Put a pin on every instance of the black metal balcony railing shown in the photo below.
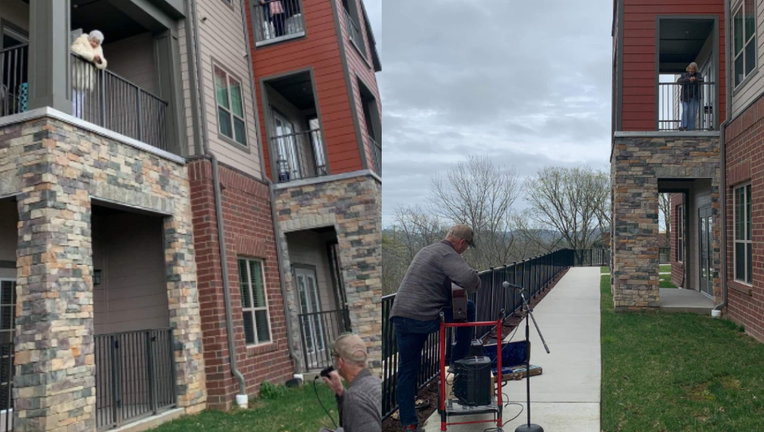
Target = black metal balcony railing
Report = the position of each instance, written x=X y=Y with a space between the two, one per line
x=534 y=274
x=318 y=331
x=106 y=99
x=6 y=387
x=299 y=155
x=135 y=376
x=376 y=155
x=687 y=106
x=354 y=32
x=274 y=19
x=14 y=88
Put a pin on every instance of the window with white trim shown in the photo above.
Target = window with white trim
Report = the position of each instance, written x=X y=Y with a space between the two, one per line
x=230 y=102
x=743 y=253
x=680 y=234
x=744 y=40
x=254 y=302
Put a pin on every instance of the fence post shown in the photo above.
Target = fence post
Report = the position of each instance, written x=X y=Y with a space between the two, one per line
x=140 y=113
x=102 y=74
x=150 y=339
x=116 y=401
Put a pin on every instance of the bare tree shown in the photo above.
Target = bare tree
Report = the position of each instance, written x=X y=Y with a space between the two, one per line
x=481 y=194
x=664 y=206
x=572 y=201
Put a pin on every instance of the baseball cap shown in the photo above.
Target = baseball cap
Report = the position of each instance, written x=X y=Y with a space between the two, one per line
x=463 y=232
x=350 y=347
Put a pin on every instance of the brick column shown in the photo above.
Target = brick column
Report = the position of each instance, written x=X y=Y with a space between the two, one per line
x=185 y=320
x=54 y=384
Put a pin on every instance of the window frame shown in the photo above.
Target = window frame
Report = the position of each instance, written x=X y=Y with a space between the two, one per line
x=747 y=278
x=229 y=77
x=680 y=234
x=252 y=309
x=752 y=40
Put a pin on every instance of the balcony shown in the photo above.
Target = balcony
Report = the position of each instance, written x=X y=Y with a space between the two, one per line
x=376 y=155
x=299 y=155
x=354 y=33
x=277 y=20
x=686 y=107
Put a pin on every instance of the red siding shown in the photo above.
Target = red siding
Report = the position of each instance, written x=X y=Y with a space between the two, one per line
x=249 y=233
x=319 y=50
x=744 y=164
x=639 y=56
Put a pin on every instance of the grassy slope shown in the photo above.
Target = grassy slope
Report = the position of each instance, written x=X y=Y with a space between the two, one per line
x=296 y=411
x=678 y=372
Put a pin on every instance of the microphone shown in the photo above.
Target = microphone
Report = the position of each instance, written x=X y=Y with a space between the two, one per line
x=506 y=284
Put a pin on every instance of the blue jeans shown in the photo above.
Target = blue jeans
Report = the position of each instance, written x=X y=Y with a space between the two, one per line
x=411 y=335
x=689 y=113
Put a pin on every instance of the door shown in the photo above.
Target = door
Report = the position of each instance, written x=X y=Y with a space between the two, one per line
x=310 y=309
x=705 y=223
x=286 y=140
x=708 y=95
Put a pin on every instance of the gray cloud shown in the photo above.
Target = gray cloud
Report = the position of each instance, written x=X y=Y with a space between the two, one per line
x=526 y=83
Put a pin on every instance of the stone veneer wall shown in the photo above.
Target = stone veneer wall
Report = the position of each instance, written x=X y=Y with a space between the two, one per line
x=249 y=233
x=57 y=168
x=353 y=207
x=638 y=161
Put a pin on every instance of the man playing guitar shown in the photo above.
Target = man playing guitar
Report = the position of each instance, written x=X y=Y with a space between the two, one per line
x=425 y=291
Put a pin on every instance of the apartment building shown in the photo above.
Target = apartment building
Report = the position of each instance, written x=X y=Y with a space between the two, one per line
x=712 y=170
x=141 y=271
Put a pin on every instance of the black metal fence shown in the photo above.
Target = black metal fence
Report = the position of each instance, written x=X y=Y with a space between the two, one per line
x=273 y=19
x=319 y=330
x=135 y=376
x=104 y=98
x=686 y=106
x=6 y=387
x=534 y=274
x=299 y=155
x=14 y=87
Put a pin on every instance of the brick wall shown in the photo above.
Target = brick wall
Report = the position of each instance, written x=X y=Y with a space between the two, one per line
x=677 y=268
x=744 y=164
x=249 y=233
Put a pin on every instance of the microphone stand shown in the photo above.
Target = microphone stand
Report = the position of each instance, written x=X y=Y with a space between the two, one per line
x=529 y=427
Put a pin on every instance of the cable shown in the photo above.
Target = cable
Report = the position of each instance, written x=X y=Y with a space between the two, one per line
x=500 y=429
x=322 y=404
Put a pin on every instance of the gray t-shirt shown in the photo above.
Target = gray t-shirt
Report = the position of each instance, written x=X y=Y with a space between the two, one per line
x=426 y=287
x=360 y=406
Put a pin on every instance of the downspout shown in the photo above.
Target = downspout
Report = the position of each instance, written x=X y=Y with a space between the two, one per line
x=276 y=231
x=241 y=398
x=717 y=311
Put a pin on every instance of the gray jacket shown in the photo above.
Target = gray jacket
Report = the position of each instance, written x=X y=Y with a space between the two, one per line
x=360 y=406
x=426 y=287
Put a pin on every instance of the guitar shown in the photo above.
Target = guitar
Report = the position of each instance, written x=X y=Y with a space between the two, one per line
x=459 y=303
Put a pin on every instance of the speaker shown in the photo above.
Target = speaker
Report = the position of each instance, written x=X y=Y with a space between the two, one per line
x=472 y=381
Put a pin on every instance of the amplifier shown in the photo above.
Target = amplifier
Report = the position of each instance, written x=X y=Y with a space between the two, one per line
x=472 y=381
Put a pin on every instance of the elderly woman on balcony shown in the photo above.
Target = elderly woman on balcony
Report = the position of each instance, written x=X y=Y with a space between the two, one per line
x=691 y=92
x=88 y=48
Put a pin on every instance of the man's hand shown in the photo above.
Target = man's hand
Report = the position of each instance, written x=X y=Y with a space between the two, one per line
x=97 y=59
x=692 y=78
x=335 y=383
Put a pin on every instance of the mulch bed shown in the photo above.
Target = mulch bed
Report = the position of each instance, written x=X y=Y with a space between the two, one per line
x=430 y=391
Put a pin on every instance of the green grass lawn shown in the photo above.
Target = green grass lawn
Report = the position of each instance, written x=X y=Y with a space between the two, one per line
x=665 y=281
x=603 y=270
x=297 y=410
x=678 y=372
x=665 y=268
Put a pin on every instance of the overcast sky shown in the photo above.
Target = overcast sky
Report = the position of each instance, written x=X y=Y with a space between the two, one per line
x=526 y=83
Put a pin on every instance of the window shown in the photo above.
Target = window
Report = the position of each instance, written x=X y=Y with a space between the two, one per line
x=743 y=244
x=744 y=40
x=228 y=93
x=680 y=234
x=254 y=302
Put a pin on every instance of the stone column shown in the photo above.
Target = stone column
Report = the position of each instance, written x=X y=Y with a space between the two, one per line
x=49 y=58
x=54 y=384
x=184 y=309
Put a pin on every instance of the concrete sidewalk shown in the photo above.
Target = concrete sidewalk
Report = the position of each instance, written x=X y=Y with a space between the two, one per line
x=566 y=397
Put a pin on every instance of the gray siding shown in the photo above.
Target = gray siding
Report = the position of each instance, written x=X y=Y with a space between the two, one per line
x=16 y=12
x=133 y=292
x=133 y=59
x=223 y=39
x=750 y=90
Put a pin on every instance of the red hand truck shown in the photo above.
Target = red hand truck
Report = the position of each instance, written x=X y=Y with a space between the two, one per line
x=446 y=407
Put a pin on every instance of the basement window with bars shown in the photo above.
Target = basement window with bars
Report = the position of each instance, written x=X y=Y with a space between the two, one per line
x=744 y=40
x=254 y=303
x=743 y=230
x=680 y=234
x=230 y=101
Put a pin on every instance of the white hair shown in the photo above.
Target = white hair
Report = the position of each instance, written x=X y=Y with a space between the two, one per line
x=96 y=35
x=693 y=64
